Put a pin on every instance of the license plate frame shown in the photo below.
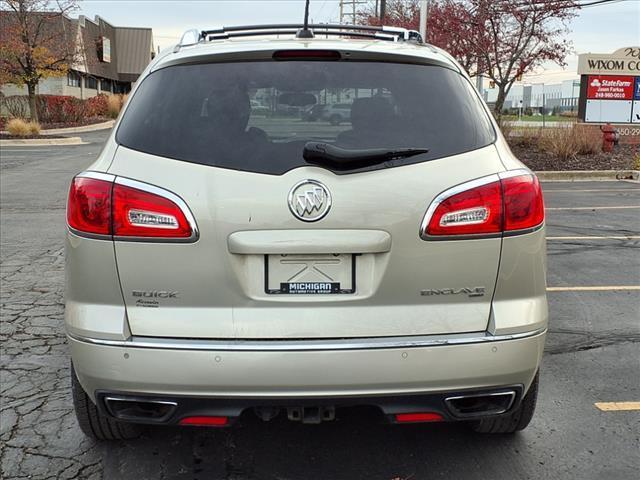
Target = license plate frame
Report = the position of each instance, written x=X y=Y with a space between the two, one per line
x=329 y=288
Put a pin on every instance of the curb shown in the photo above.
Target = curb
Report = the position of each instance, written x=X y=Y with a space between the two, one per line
x=86 y=128
x=587 y=175
x=41 y=142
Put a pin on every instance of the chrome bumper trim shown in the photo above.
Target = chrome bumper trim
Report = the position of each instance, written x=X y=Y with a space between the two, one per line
x=307 y=345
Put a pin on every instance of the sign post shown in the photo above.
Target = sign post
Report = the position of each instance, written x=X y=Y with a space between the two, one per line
x=635 y=113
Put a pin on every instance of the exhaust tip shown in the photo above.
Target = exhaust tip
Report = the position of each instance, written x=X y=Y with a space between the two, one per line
x=482 y=404
x=138 y=409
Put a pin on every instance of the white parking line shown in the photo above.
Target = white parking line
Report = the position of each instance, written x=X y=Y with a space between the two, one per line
x=601 y=288
x=606 y=237
x=617 y=406
x=618 y=207
x=4 y=150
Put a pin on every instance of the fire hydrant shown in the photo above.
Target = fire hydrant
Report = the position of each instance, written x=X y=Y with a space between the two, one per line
x=609 y=137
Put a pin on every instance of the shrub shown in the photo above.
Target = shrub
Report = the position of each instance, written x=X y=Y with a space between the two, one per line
x=98 y=106
x=588 y=140
x=16 y=106
x=34 y=128
x=567 y=142
x=569 y=113
x=114 y=104
x=61 y=109
x=527 y=137
x=559 y=142
x=17 y=127
x=505 y=126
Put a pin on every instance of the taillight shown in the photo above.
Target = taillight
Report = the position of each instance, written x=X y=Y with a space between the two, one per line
x=101 y=204
x=138 y=213
x=89 y=206
x=486 y=207
x=523 y=203
x=470 y=212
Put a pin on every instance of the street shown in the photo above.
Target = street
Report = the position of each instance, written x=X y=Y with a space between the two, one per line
x=592 y=355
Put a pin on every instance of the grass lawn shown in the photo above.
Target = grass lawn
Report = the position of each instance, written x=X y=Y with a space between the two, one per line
x=538 y=118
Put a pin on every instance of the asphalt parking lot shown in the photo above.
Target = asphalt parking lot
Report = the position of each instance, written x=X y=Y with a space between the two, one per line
x=592 y=356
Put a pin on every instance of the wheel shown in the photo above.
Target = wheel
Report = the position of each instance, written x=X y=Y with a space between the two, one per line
x=93 y=423
x=514 y=421
x=335 y=120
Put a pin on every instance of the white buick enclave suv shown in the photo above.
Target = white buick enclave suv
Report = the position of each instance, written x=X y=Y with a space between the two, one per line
x=221 y=262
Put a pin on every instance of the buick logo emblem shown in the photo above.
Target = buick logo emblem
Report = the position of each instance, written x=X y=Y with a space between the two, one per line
x=309 y=200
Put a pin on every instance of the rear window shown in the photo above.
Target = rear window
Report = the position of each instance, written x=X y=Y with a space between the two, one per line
x=257 y=116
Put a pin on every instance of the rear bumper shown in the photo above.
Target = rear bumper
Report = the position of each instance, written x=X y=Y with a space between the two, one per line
x=285 y=374
x=171 y=410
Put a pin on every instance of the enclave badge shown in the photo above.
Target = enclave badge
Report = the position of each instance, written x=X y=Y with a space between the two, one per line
x=469 y=291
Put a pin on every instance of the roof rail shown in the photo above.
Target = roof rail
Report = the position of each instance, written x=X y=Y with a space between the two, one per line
x=393 y=34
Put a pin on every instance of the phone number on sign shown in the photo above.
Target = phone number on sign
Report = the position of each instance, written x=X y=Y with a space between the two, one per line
x=629 y=132
x=610 y=95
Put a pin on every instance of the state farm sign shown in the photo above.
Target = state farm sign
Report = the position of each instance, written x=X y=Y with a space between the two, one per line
x=610 y=87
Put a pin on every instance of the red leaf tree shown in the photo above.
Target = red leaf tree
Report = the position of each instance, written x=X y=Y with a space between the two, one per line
x=501 y=39
x=37 y=41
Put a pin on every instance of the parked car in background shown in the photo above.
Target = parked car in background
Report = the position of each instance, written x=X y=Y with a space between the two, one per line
x=219 y=263
x=337 y=113
x=259 y=109
x=313 y=112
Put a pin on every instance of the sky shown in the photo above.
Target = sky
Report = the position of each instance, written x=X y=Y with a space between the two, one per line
x=598 y=29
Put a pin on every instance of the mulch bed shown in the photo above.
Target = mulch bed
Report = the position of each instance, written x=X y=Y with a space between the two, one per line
x=84 y=123
x=622 y=158
x=5 y=136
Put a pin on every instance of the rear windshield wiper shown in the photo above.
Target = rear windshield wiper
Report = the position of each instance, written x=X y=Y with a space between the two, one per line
x=349 y=158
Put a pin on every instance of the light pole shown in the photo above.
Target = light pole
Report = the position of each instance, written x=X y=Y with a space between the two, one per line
x=543 y=105
x=424 y=7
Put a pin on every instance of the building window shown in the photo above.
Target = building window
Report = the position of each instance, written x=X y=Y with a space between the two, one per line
x=91 y=82
x=73 y=79
x=105 y=85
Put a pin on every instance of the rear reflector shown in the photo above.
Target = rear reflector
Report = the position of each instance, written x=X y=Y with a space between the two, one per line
x=486 y=207
x=205 y=421
x=106 y=206
x=418 y=417
x=306 y=55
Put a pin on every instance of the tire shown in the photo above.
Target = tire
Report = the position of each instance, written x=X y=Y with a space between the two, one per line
x=93 y=423
x=514 y=421
x=335 y=120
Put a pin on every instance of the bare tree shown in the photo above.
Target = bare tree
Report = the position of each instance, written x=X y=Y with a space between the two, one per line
x=37 y=41
x=502 y=39
x=513 y=38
